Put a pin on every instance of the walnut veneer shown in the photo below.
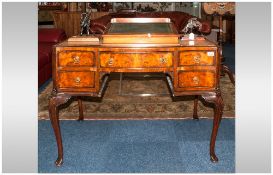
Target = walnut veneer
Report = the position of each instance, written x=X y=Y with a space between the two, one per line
x=81 y=69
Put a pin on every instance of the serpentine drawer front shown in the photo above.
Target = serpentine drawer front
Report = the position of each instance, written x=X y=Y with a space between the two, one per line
x=188 y=58
x=76 y=70
x=76 y=79
x=136 y=60
x=196 y=69
x=76 y=58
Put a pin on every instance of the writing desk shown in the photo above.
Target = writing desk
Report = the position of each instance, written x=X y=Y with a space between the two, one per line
x=83 y=68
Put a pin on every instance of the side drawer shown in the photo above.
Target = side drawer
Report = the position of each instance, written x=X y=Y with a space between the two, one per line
x=136 y=60
x=76 y=79
x=76 y=58
x=196 y=58
x=196 y=79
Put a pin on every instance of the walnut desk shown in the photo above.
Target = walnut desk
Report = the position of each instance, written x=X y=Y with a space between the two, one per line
x=83 y=68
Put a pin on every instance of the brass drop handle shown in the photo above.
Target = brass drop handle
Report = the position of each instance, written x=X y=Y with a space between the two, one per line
x=163 y=60
x=196 y=59
x=76 y=59
x=77 y=80
x=110 y=61
x=195 y=80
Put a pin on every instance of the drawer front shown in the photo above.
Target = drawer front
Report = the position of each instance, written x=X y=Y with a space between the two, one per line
x=76 y=58
x=76 y=79
x=196 y=79
x=136 y=60
x=188 y=58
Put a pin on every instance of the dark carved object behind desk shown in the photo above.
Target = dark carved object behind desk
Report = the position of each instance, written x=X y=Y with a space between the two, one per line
x=193 y=26
x=85 y=23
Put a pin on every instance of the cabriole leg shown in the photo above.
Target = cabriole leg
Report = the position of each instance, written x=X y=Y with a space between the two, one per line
x=54 y=102
x=218 y=110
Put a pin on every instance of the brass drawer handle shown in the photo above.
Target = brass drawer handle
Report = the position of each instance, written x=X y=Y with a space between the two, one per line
x=110 y=61
x=77 y=80
x=76 y=59
x=163 y=60
x=195 y=80
x=196 y=59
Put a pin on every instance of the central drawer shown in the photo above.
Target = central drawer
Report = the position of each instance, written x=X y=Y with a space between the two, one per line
x=136 y=60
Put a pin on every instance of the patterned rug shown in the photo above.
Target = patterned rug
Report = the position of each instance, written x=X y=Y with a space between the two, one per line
x=115 y=106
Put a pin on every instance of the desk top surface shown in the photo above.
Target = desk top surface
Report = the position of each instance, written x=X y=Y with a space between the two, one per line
x=182 y=43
